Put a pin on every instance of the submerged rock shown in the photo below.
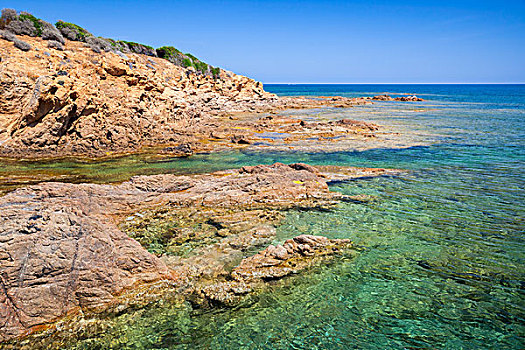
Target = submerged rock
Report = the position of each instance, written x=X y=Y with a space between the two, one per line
x=273 y=263
x=66 y=248
x=63 y=251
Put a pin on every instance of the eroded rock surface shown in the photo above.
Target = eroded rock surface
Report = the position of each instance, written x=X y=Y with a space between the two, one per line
x=78 y=102
x=65 y=247
x=273 y=263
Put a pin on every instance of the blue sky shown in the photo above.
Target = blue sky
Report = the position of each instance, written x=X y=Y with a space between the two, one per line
x=320 y=41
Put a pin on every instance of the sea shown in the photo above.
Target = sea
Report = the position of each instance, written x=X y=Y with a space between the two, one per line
x=441 y=263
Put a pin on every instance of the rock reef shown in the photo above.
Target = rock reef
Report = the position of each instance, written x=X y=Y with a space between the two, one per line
x=412 y=98
x=70 y=248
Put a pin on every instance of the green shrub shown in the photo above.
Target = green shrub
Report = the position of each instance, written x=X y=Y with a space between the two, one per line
x=187 y=63
x=72 y=31
x=216 y=72
x=201 y=66
x=132 y=44
x=36 y=21
x=194 y=59
x=167 y=52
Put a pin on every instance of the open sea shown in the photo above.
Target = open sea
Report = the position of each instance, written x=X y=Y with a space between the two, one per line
x=443 y=258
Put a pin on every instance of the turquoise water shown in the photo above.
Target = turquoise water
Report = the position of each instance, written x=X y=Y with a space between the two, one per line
x=443 y=261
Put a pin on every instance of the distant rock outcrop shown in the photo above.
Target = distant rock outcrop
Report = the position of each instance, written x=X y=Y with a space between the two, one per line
x=412 y=98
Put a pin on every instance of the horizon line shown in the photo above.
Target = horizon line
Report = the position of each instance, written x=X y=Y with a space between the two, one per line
x=273 y=83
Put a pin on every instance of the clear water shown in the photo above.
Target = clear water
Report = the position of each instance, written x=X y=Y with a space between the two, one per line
x=443 y=265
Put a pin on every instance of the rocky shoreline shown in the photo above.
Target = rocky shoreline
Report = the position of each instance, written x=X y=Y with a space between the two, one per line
x=76 y=102
x=68 y=249
x=78 y=254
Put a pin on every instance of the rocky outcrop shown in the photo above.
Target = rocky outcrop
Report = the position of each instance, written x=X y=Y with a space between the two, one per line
x=66 y=248
x=412 y=98
x=273 y=263
x=79 y=102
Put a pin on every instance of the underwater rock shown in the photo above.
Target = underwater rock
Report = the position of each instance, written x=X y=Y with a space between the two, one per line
x=63 y=251
x=273 y=263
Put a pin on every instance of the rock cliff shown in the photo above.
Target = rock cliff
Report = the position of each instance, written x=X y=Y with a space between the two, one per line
x=79 y=102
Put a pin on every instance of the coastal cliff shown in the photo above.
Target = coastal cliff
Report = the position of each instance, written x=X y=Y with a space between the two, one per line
x=65 y=92
x=79 y=102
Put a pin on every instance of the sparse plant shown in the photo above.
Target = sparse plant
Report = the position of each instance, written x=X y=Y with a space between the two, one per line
x=98 y=44
x=139 y=48
x=26 y=16
x=22 y=26
x=215 y=72
x=69 y=34
x=167 y=52
x=52 y=34
x=8 y=15
x=201 y=66
x=187 y=63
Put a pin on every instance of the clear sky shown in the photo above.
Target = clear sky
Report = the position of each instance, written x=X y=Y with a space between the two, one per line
x=320 y=41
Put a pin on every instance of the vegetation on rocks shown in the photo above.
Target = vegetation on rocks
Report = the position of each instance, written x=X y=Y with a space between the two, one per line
x=24 y=23
x=25 y=16
x=132 y=47
x=186 y=60
x=21 y=24
x=98 y=44
x=51 y=33
x=72 y=31
x=7 y=16
x=27 y=24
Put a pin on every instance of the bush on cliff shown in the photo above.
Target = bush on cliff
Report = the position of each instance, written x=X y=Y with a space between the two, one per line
x=7 y=16
x=72 y=31
x=130 y=46
x=26 y=16
x=21 y=27
x=215 y=72
x=22 y=24
x=51 y=33
x=98 y=44
x=27 y=24
x=168 y=52
x=185 y=60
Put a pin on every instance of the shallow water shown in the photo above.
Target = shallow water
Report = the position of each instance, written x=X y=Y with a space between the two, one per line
x=442 y=264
